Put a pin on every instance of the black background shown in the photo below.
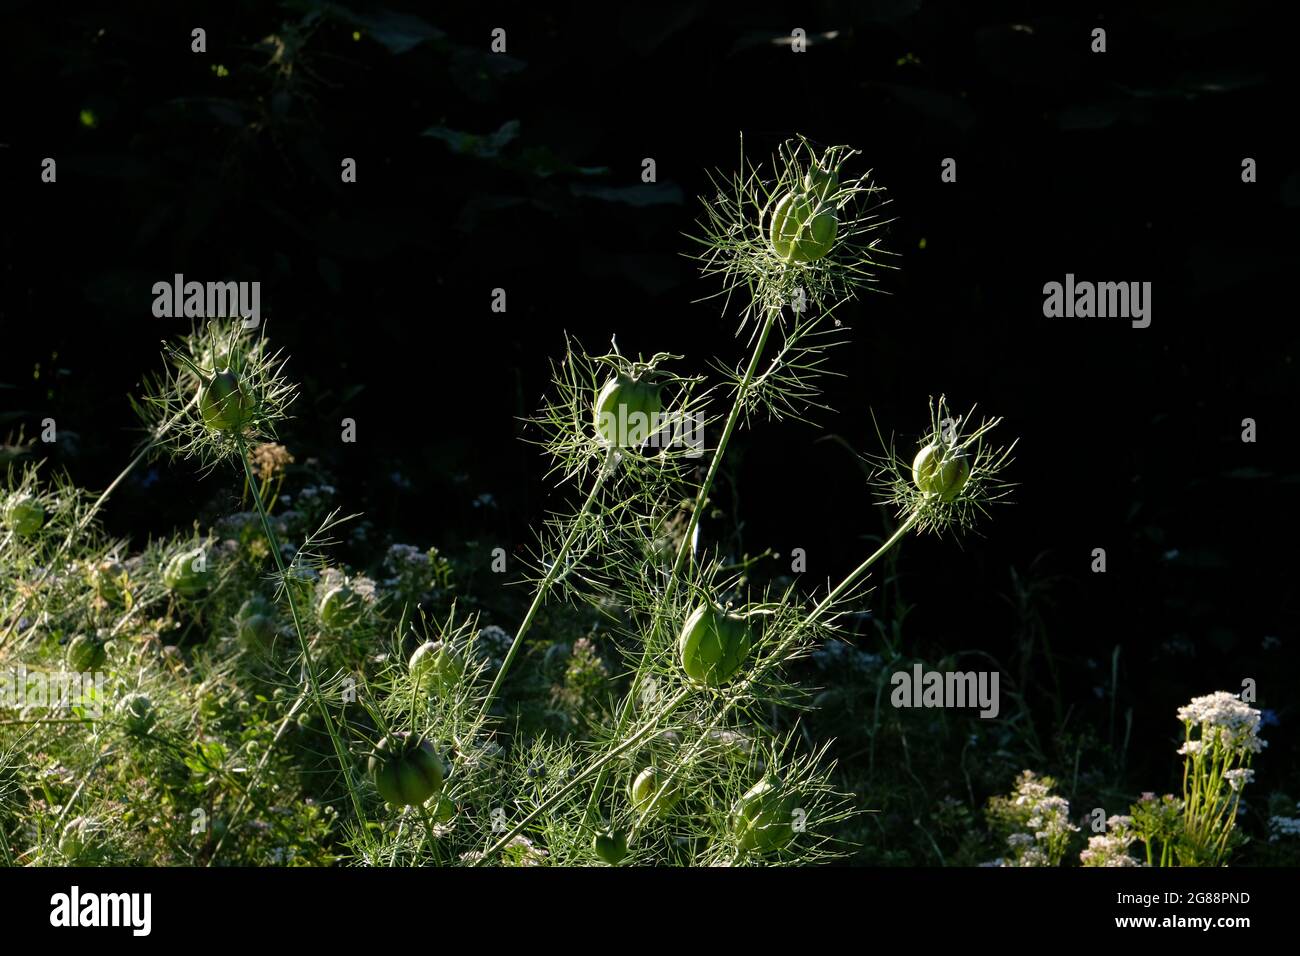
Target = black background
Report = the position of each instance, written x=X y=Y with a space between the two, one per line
x=1122 y=166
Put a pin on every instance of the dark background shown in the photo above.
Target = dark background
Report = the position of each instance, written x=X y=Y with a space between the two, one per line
x=1122 y=166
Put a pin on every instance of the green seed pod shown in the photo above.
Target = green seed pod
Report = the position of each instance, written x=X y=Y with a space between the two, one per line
x=763 y=818
x=223 y=403
x=407 y=770
x=24 y=515
x=821 y=183
x=339 y=607
x=611 y=846
x=109 y=580
x=183 y=577
x=86 y=654
x=435 y=668
x=803 y=229
x=644 y=788
x=80 y=838
x=444 y=810
x=626 y=411
x=135 y=710
x=940 y=471
x=255 y=623
x=713 y=644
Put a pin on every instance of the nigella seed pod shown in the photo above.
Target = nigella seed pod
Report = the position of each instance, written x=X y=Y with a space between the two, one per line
x=610 y=846
x=941 y=471
x=24 y=515
x=763 y=818
x=223 y=403
x=86 y=654
x=713 y=645
x=803 y=227
x=255 y=623
x=646 y=796
x=109 y=580
x=435 y=668
x=407 y=770
x=626 y=411
x=340 y=607
x=136 y=712
x=186 y=575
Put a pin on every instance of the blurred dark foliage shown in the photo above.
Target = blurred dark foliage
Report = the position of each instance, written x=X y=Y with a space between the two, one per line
x=522 y=171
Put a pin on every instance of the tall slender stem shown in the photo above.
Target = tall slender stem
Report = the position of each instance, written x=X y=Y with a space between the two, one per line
x=684 y=546
x=856 y=574
x=552 y=575
x=313 y=684
x=601 y=766
x=86 y=518
x=778 y=654
x=577 y=780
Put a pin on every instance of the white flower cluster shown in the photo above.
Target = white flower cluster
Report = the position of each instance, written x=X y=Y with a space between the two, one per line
x=1240 y=777
x=1111 y=848
x=361 y=585
x=1226 y=720
x=1051 y=818
x=1047 y=821
x=838 y=655
x=1283 y=827
x=401 y=555
x=494 y=643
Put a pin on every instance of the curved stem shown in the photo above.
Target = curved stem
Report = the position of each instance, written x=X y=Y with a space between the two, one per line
x=569 y=787
x=313 y=684
x=86 y=518
x=733 y=418
x=242 y=806
x=684 y=547
x=601 y=766
x=552 y=575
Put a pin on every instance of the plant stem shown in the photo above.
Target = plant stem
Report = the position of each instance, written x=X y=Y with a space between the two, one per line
x=569 y=787
x=238 y=812
x=85 y=519
x=733 y=417
x=552 y=575
x=313 y=684
x=684 y=546
x=602 y=765
x=856 y=574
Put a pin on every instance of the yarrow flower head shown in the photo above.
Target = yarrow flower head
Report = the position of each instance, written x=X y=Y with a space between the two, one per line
x=269 y=460
x=1223 y=720
x=1111 y=848
x=1239 y=778
x=1281 y=826
x=1036 y=821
